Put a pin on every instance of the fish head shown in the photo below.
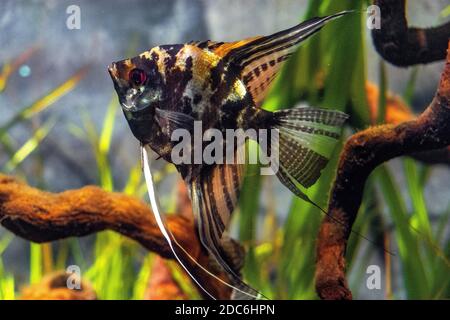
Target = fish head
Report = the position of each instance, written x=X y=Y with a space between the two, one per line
x=139 y=87
x=161 y=78
x=137 y=82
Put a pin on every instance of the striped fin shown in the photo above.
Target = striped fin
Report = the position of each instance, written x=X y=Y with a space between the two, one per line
x=234 y=253
x=307 y=137
x=232 y=249
x=259 y=59
x=222 y=49
x=161 y=221
x=217 y=193
x=214 y=196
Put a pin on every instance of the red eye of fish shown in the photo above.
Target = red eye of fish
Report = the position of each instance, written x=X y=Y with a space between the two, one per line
x=137 y=76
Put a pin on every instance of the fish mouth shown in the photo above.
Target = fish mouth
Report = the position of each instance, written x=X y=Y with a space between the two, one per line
x=114 y=74
x=127 y=105
x=112 y=70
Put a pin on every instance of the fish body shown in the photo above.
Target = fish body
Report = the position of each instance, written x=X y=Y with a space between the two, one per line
x=223 y=85
x=188 y=79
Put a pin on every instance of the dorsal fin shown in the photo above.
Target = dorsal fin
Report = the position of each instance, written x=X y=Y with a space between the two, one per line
x=258 y=59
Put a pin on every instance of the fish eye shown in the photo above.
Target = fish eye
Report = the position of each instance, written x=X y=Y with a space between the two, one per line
x=137 y=76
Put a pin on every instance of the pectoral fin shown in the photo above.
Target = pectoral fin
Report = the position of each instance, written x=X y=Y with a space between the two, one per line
x=169 y=121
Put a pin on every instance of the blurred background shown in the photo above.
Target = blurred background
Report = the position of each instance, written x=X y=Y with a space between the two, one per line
x=61 y=128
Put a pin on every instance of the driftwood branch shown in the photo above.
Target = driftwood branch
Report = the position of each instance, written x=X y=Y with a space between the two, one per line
x=405 y=46
x=41 y=216
x=397 y=111
x=362 y=153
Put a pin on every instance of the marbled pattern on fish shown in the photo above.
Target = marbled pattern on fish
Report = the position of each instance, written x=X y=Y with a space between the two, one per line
x=224 y=85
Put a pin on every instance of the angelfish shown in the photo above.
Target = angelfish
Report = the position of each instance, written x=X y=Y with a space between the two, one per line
x=223 y=85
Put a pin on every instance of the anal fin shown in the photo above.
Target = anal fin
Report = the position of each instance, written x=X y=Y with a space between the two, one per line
x=214 y=195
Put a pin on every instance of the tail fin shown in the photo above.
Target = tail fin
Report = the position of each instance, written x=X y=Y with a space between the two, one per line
x=306 y=140
x=307 y=137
